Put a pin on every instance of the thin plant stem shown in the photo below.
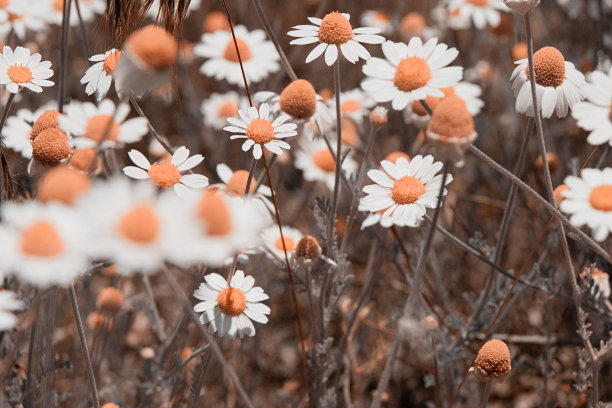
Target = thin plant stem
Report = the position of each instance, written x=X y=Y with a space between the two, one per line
x=386 y=374
x=229 y=20
x=7 y=180
x=64 y=53
x=401 y=245
x=162 y=141
x=287 y=263
x=81 y=331
x=338 y=151
x=158 y=323
x=485 y=394
x=250 y=178
x=29 y=400
x=83 y=31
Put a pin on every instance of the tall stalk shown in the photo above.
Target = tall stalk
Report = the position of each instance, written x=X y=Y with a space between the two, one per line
x=332 y=220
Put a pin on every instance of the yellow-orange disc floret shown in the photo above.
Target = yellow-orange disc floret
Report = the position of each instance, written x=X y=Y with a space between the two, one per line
x=413 y=23
x=47 y=120
x=213 y=210
x=549 y=67
x=231 y=301
x=289 y=244
x=324 y=160
x=407 y=190
x=19 y=74
x=51 y=147
x=238 y=182
x=154 y=46
x=230 y=53
x=63 y=184
x=519 y=51
x=299 y=99
x=100 y=128
x=139 y=225
x=451 y=119
x=558 y=193
x=601 y=197
x=111 y=61
x=164 y=174
x=215 y=21
x=41 y=240
x=393 y=156
x=260 y=131
x=83 y=158
x=335 y=29
x=431 y=101
x=493 y=360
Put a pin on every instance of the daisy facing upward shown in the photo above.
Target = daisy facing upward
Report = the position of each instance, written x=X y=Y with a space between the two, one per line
x=19 y=69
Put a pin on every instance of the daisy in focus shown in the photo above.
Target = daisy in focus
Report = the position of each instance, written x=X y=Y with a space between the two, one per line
x=595 y=114
x=259 y=57
x=404 y=190
x=256 y=126
x=317 y=163
x=218 y=107
x=482 y=12
x=104 y=125
x=559 y=84
x=273 y=243
x=411 y=72
x=9 y=303
x=335 y=34
x=98 y=77
x=19 y=69
x=168 y=173
x=377 y=19
x=589 y=201
x=229 y=309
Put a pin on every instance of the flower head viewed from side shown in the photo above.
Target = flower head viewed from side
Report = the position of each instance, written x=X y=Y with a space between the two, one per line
x=559 y=85
x=229 y=308
x=521 y=7
x=595 y=114
x=404 y=190
x=20 y=69
x=98 y=77
x=411 y=72
x=256 y=126
x=493 y=361
x=168 y=173
x=335 y=34
x=589 y=201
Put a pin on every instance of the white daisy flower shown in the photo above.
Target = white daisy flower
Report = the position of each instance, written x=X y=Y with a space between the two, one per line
x=444 y=18
x=259 y=56
x=229 y=309
x=558 y=84
x=21 y=17
x=354 y=104
x=273 y=244
x=414 y=24
x=103 y=125
x=19 y=70
x=377 y=19
x=53 y=10
x=43 y=244
x=317 y=163
x=218 y=107
x=334 y=33
x=404 y=190
x=589 y=201
x=482 y=12
x=411 y=72
x=255 y=126
x=9 y=303
x=234 y=183
x=595 y=114
x=19 y=130
x=98 y=77
x=168 y=173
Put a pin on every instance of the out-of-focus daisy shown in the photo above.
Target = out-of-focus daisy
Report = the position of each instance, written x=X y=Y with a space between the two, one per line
x=218 y=107
x=414 y=24
x=482 y=12
x=214 y=21
x=53 y=10
x=404 y=190
x=354 y=104
x=259 y=57
x=154 y=11
x=377 y=19
x=317 y=163
x=168 y=173
x=273 y=243
x=62 y=184
x=558 y=84
x=21 y=17
x=255 y=126
x=103 y=125
x=8 y=304
x=42 y=244
x=19 y=69
x=411 y=72
x=234 y=182
x=600 y=282
x=21 y=129
x=98 y=77
x=595 y=114
x=589 y=201
x=334 y=34
x=444 y=18
x=229 y=309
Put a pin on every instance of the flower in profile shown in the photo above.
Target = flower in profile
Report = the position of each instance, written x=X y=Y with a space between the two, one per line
x=42 y=244
x=559 y=84
x=104 y=125
x=589 y=201
x=50 y=148
x=19 y=69
x=595 y=114
x=334 y=34
x=259 y=57
x=229 y=309
x=9 y=303
x=98 y=77
x=273 y=244
x=256 y=126
x=411 y=72
x=168 y=173
x=493 y=361
x=318 y=164
x=377 y=19
x=521 y=7
x=404 y=190
x=482 y=12
x=218 y=107
x=379 y=115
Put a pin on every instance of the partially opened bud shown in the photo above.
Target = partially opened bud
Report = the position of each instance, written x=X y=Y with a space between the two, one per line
x=308 y=247
x=521 y=7
x=379 y=115
x=299 y=99
x=493 y=361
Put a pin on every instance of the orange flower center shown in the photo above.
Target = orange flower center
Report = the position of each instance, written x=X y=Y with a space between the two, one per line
x=47 y=120
x=230 y=53
x=164 y=174
x=4 y=3
x=214 y=21
x=238 y=182
x=214 y=212
x=407 y=190
x=83 y=158
x=350 y=106
x=58 y=5
x=111 y=61
x=335 y=29
x=393 y=156
x=231 y=301
x=139 y=225
x=478 y=3
x=63 y=184
x=411 y=73
x=299 y=99
x=549 y=67
x=228 y=110
x=51 y=147
x=324 y=160
x=413 y=23
x=155 y=47
x=382 y=16
x=19 y=74
x=601 y=197
x=260 y=131
x=289 y=244
x=41 y=240
x=101 y=127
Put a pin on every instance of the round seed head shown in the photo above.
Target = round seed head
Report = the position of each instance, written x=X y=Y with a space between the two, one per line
x=493 y=361
x=299 y=99
x=51 y=147
x=451 y=119
x=47 y=120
